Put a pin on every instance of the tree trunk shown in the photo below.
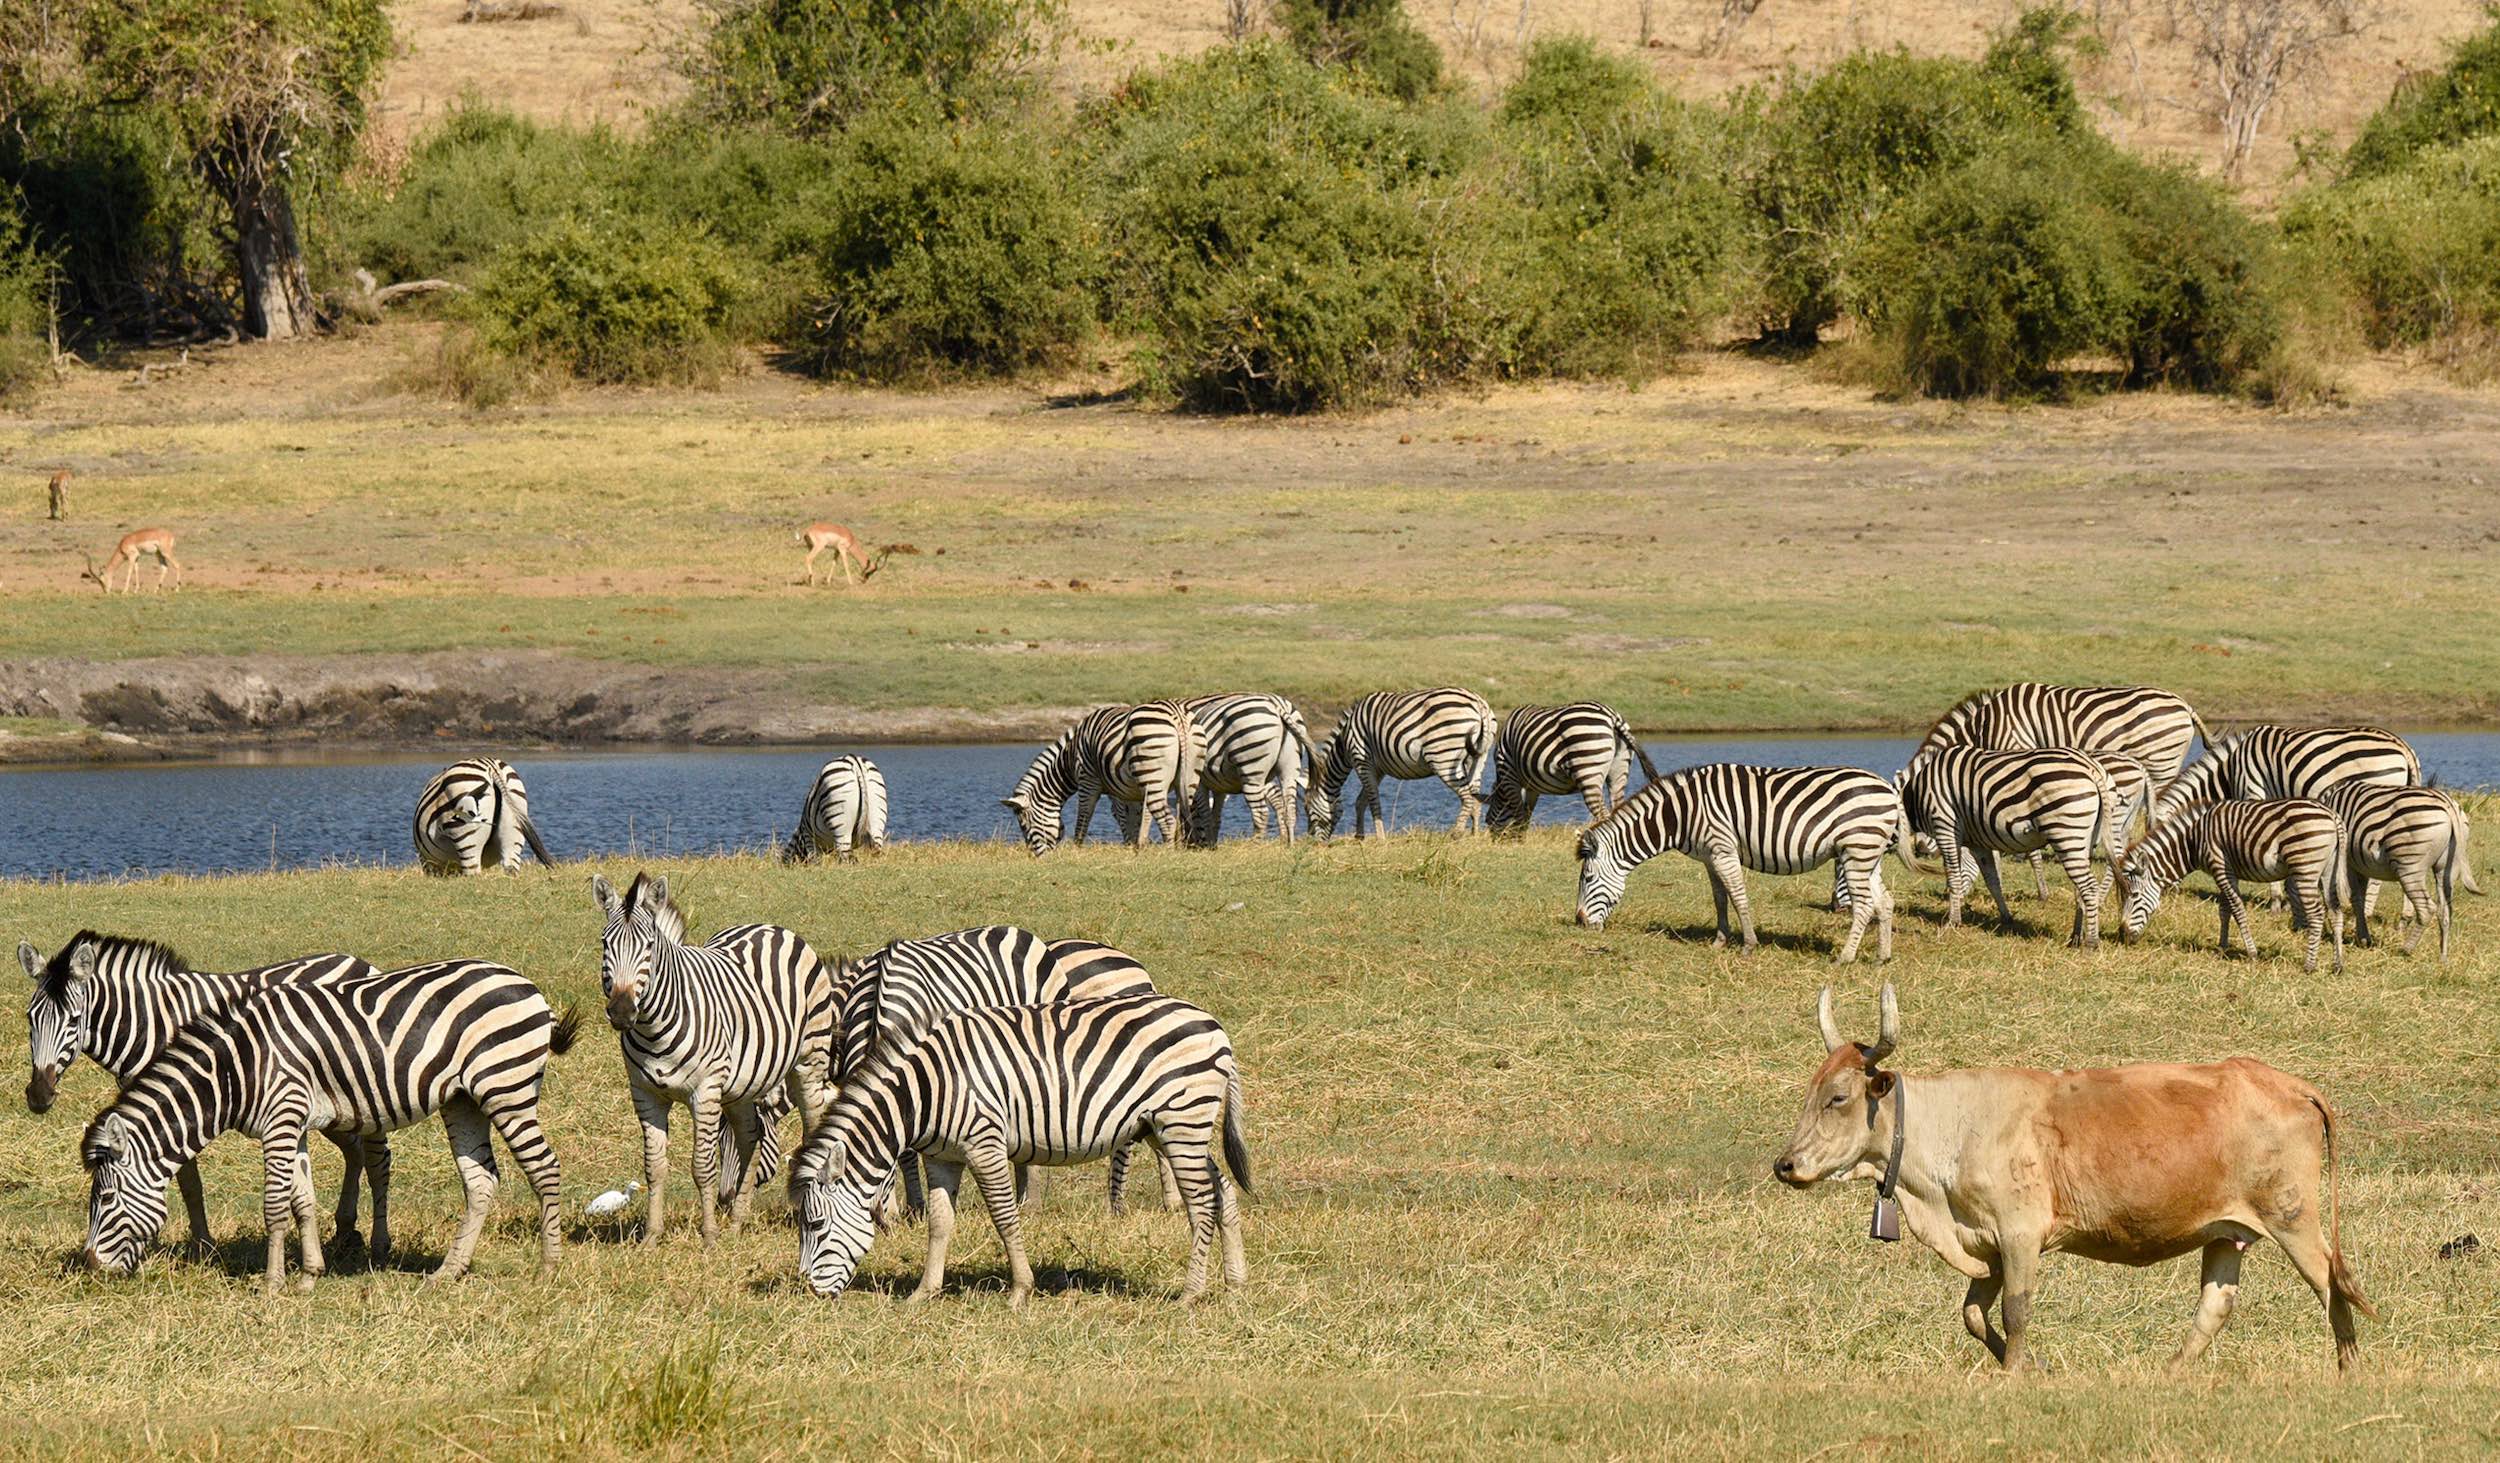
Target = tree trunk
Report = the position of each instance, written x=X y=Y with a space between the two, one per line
x=277 y=299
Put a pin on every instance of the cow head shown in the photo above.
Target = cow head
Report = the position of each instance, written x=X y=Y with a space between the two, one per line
x=1845 y=1124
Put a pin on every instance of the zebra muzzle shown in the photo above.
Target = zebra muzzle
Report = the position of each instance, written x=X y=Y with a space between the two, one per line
x=621 y=1009
x=41 y=1088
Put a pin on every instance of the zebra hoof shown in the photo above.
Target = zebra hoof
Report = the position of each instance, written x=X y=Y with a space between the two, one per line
x=304 y=1283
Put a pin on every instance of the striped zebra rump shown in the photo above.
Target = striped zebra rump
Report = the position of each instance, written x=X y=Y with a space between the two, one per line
x=1147 y=759
x=2413 y=837
x=1408 y=736
x=1252 y=747
x=365 y=1054
x=2296 y=840
x=120 y=1001
x=1774 y=820
x=743 y=1021
x=2267 y=762
x=1974 y=804
x=2143 y=722
x=1584 y=749
x=845 y=809
x=475 y=815
x=987 y=1089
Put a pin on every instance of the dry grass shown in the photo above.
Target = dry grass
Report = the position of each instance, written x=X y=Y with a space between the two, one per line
x=1511 y=1194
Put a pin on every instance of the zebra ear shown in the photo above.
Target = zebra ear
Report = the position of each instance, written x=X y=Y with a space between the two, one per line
x=659 y=891
x=1016 y=803
x=604 y=892
x=82 y=961
x=29 y=957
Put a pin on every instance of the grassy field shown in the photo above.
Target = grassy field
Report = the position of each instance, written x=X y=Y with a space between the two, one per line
x=1739 y=546
x=1512 y=1193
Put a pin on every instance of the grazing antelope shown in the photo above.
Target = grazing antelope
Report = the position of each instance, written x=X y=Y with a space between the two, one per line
x=156 y=541
x=822 y=536
x=58 y=496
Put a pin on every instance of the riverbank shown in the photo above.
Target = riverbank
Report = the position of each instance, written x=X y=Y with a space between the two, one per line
x=1510 y=1193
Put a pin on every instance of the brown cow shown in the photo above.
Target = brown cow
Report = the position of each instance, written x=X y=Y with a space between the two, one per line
x=2134 y=1164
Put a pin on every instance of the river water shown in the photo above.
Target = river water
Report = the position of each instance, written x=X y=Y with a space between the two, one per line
x=296 y=809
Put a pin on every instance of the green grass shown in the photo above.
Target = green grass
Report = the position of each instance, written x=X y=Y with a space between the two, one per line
x=1511 y=1194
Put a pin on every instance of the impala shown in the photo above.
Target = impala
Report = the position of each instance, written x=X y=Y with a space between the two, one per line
x=144 y=541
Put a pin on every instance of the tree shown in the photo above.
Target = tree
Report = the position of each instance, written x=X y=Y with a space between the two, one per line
x=2247 y=51
x=816 y=66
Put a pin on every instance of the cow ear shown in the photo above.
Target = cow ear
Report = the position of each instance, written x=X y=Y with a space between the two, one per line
x=29 y=957
x=1879 y=1084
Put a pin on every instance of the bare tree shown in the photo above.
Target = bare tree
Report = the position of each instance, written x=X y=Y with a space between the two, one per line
x=1732 y=17
x=1237 y=17
x=2247 y=52
x=1649 y=23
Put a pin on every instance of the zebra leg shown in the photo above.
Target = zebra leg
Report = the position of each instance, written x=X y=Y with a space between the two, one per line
x=2077 y=862
x=997 y=1178
x=2357 y=888
x=1470 y=808
x=351 y=1187
x=473 y=1155
x=1186 y=1154
x=2234 y=910
x=1718 y=908
x=1228 y=1226
x=1593 y=791
x=1085 y=800
x=528 y=1142
x=1862 y=895
x=1986 y=858
x=707 y=1114
x=2039 y=875
x=652 y=1107
x=841 y=844
x=281 y=1160
x=307 y=1222
x=745 y=1136
x=1172 y=1196
x=1370 y=799
x=195 y=1204
x=1731 y=876
x=1961 y=871
x=1120 y=1154
x=944 y=1180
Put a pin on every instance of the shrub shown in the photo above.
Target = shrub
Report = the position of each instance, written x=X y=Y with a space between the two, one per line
x=2201 y=302
x=1373 y=38
x=25 y=301
x=947 y=251
x=2446 y=107
x=2417 y=249
x=816 y=66
x=472 y=188
x=611 y=301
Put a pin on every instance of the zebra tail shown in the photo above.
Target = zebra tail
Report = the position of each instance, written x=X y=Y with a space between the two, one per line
x=2198 y=722
x=529 y=835
x=560 y=1039
x=1236 y=1151
x=2459 y=867
x=1649 y=769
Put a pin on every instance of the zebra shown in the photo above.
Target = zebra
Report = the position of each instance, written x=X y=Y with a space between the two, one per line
x=1146 y=757
x=1976 y=804
x=990 y=1087
x=364 y=1054
x=1254 y=746
x=473 y=815
x=2298 y=840
x=119 y=1001
x=1446 y=733
x=1776 y=820
x=845 y=808
x=1583 y=748
x=2290 y=762
x=716 y=1026
x=2412 y=836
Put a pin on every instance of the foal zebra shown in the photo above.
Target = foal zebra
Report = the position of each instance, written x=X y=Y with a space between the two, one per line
x=2414 y=837
x=1146 y=757
x=1254 y=746
x=119 y=1001
x=1409 y=735
x=2290 y=762
x=2293 y=839
x=473 y=815
x=364 y=1054
x=845 y=809
x=715 y=1026
x=1583 y=748
x=1777 y=820
x=1058 y=1084
x=1974 y=805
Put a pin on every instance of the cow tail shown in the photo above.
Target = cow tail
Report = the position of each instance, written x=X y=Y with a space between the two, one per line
x=2339 y=1274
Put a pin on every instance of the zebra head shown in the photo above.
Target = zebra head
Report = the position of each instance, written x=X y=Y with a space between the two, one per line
x=2138 y=881
x=630 y=943
x=1327 y=785
x=1036 y=818
x=125 y=1194
x=1507 y=809
x=837 y=1222
x=1602 y=871
x=57 y=1015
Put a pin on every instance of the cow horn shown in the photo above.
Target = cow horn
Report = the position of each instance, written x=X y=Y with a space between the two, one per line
x=1823 y=1014
x=1888 y=1035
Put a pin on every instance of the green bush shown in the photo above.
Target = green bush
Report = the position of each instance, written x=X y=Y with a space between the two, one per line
x=2418 y=249
x=608 y=300
x=1373 y=38
x=2201 y=303
x=816 y=66
x=472 y=188
x=2449 y=106
x=945 y=252
x=25 y=301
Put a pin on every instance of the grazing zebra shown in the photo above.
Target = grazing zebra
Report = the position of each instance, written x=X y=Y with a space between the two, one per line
x=1409 y=735
x=1254 y=746
x=715 y=1026
x=1145 y=757
x=119 y=1002
x=2297 y=840
x=366 y=1054
x=2290 y=762
x=1776 y=820
x=2414 y=837
x=846 y=808
x=1583 y=748
x=988 y=1088
x=1974 y=805
x=473 y=815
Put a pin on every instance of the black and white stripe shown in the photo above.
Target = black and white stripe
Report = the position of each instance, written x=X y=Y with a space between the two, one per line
x=1254 y=746
x=2290 y=762
x=1775 y=820
x=1583 y=748
x=1974 y=804
x=845 y=809
x=747 y=1014
x=988 y=1089
x=2414 y=837
x=2141 y=721
x=2297 y=840
x=1144 y=757
x=475 y=815
x=1446 y=733
x=367 y=1054
x=119 y=1002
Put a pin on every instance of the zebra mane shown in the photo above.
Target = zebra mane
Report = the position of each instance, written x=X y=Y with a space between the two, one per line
x=1960 y=712
x=54 y=982
x=666 y=917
